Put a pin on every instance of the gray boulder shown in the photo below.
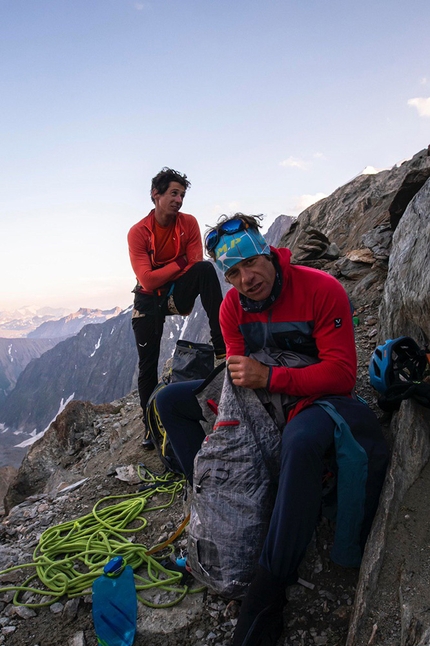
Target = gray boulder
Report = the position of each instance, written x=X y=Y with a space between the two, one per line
x=393 y=595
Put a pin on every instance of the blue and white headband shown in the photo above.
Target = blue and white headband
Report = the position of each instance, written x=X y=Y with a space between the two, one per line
x=233 y=248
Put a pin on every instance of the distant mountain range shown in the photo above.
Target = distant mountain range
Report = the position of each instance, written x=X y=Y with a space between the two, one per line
x=278 y=228
x=19 y=322
x=96 y=364
x=50 y=323
x=17 y=352
x=72 y=324
x=99 y=364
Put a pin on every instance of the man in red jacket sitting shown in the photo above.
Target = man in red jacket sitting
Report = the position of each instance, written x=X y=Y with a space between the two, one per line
x=166 y=254
x=303 y=315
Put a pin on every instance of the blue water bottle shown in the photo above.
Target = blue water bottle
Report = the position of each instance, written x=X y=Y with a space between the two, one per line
x=115 y=605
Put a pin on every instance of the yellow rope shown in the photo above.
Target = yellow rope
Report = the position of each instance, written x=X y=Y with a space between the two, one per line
x=71 y=555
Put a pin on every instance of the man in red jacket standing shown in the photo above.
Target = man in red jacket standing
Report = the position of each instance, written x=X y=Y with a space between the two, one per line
x=166 y=254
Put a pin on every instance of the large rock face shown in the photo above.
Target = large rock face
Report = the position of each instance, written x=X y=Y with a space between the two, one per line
x=405 y=305
x=53 y=454
x=375 y=233
x=369 y=205
x=405 y=310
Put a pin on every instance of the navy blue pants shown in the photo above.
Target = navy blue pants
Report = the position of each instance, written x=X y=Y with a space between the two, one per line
x=305 y=442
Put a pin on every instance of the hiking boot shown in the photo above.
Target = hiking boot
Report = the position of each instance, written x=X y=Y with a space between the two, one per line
x=147 y=443
x=264 y=630
x=260 y=620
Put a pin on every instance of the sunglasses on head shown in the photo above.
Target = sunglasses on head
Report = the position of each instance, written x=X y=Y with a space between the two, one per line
x=229 y=227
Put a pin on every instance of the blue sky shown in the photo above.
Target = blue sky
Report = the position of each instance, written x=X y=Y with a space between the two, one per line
x=265 y=105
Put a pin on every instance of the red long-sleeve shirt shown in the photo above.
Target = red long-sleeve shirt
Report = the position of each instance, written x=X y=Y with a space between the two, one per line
x=143 y=253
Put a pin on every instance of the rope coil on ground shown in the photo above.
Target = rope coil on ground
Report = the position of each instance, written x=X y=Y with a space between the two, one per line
x=70 y=556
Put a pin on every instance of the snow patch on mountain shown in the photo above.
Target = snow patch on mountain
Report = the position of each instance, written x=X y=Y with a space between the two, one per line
x=33 y=438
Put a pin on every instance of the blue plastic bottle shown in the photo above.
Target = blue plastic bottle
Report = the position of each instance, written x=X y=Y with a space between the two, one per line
x=115 y=605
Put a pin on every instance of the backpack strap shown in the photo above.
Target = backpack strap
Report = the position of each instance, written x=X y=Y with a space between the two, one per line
x=419 y=390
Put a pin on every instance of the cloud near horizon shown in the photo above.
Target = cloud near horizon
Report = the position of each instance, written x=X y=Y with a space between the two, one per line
x=140 y=6
x=297 y=162
x=304 y=201
x=422 y=104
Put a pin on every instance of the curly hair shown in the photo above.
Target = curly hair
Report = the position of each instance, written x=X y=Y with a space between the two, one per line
x=166 y=175
x=253 y=222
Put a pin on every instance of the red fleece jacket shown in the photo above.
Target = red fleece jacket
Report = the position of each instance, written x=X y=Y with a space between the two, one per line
x=143 y=254
x=313 y=309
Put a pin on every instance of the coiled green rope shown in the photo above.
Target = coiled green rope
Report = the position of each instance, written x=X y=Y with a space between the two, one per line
x=71 y=555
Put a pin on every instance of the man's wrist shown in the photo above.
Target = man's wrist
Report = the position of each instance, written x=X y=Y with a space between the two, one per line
x=181 y=262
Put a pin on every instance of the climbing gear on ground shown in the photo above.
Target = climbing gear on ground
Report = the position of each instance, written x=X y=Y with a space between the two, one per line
x=395 y=394
x=397 y=371
x=170 y=540
x=396 y=361
x=178 y=565
x=70 y=556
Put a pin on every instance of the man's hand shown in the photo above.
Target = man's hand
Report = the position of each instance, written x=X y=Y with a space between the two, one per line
x=247 y=372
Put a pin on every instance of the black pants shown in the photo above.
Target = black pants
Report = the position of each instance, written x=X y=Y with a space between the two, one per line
x=201 y=279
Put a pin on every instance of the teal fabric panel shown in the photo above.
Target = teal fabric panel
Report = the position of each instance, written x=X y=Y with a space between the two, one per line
x=352 y=465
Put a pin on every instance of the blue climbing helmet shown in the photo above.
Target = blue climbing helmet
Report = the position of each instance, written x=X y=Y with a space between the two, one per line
x=396 y=361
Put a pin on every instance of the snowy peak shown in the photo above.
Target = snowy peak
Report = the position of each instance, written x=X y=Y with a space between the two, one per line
x=18 y=323
x=73 y=323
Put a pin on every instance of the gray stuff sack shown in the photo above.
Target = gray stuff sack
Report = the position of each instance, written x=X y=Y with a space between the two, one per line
x=235 y=479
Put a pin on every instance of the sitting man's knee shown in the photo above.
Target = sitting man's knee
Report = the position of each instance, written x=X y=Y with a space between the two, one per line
x=295 y=444
x=206 y=267
x=163 y=399
x=302 y=446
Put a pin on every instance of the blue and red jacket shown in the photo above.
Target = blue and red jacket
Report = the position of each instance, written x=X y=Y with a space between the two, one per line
x=311 y=316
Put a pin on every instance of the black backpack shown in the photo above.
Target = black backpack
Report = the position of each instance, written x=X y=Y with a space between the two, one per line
x=191 y=361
